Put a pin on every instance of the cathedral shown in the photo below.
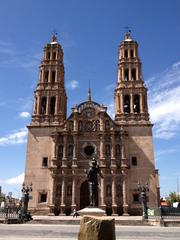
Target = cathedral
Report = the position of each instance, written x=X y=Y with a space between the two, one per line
x=60 y=148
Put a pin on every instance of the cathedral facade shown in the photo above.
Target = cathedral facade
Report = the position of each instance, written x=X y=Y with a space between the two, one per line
x=60 y=148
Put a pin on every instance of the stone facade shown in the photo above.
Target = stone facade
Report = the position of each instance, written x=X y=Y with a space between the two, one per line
x=59 y=149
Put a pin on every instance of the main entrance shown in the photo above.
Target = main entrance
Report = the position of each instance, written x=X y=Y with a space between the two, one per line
x=84 y=195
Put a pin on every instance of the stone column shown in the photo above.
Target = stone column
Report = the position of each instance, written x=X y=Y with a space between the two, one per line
x=55 y=75
x=125 y=204
x=114 y=205
x=74 y=164
x=48 y=105
x=42 y=76
x=119 y=75
x=130 y=73
x=122 y=73
x=122 y=102
x=141 y=103
x=64 y=159
x=54 y=148
x=137 y=73
x=63 y=195
x=38 y=104
x=101 y=146
x=51 y=198
x=73 y=203
x=65 y=147
x=56 y=104
x=35 y=105
x=75 y=123
x=118 y=103
x=102 y=203
x=101 y=123
x=112 y=150
x=50 y=76
x=131 y=103
x=122 y=151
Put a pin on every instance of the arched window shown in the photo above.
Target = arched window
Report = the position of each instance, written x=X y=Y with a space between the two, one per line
x=133 y=74
x=60 y=151
x=136 y=104
x=108 y=190
x=125 y=53
x=107 y=125
x=52 y=105
x=69 y=190
x=118 y=150
x=46 y=76
x=48 y=56
x=126 y=104
x=80 y=125
x=54 y=55
x=126 y=74
x=107 y=150
x=97 y=125
x=119 y=190
x=43 y=105
x=132 y=53
x=70 y=150
x=53 y=76
x=58 y=190
x=71 y=125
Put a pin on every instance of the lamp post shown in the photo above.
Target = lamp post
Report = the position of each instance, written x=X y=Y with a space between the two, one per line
x=143 y=189
x=25 y=200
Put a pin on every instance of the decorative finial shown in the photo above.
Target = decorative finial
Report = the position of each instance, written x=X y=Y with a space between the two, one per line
x=89 y=93
x=54 y=36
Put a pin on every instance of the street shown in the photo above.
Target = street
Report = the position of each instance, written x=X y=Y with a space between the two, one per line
x=69 y=232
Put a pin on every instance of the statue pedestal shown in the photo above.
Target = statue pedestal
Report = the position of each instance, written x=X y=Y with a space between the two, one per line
x=91 y=211
x=97 y=228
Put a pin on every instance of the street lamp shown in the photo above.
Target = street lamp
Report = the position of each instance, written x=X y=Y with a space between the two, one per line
x=143 y=189
x=25 y=200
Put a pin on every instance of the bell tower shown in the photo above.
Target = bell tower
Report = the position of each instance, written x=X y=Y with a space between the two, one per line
x=50 y=100
x=130 y=93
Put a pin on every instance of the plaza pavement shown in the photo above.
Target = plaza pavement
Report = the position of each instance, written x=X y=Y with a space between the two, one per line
x=70 y=232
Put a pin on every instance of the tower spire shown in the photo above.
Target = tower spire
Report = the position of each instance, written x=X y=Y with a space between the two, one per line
x=89 y=93
x=130 y=93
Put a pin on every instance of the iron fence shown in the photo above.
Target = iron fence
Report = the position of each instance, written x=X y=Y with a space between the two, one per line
x=9 y=213
x=164 y=212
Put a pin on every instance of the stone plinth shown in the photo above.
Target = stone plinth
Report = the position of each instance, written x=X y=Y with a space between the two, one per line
x=91 y=211
x=97 y=228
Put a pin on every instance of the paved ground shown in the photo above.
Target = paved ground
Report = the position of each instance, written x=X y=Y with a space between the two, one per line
x=69 y=232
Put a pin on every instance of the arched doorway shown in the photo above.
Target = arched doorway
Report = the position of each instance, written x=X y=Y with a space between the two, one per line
x=84 y=195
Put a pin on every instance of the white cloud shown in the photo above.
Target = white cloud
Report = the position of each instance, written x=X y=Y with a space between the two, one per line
x=162 y=152
x=164 y=99
x=110 y=109
x=73 y=84
x=15 y=180
x=16 y=137
x=24 y=114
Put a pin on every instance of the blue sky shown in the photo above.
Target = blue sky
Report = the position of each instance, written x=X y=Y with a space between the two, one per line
x=90 y=33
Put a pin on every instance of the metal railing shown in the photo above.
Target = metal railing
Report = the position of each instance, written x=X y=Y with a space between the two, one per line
x=9 y=213
x=164 y=212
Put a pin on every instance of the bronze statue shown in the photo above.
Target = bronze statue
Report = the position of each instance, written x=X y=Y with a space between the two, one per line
x=92 y=177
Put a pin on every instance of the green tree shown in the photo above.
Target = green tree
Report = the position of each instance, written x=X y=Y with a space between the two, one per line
x=173 y=197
